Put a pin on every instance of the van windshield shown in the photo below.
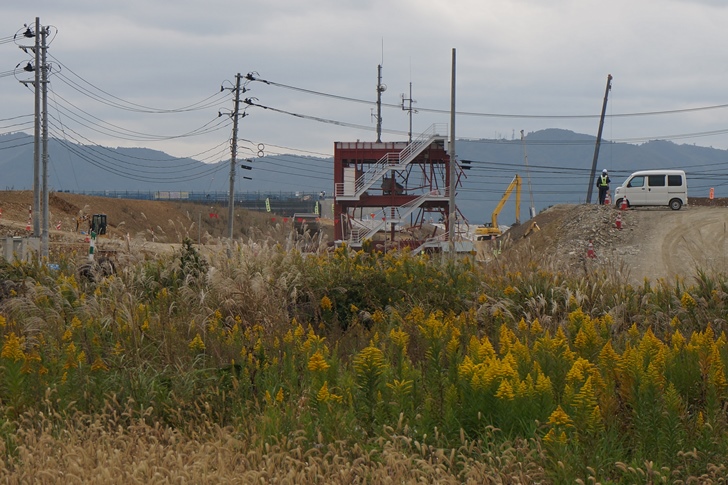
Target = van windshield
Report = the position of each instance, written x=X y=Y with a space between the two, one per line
x=636 y=182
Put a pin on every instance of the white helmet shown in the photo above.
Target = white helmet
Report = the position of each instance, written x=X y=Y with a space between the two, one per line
x=604 y=171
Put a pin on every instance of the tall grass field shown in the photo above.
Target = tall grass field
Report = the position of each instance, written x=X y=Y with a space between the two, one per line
x=266 y=364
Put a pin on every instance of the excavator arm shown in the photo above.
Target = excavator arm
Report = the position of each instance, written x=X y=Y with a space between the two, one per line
x=515 y=183
x=492 y=231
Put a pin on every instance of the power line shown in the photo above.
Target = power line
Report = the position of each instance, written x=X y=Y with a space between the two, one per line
x=493 y=115
x=109 y=129
x=117 y=102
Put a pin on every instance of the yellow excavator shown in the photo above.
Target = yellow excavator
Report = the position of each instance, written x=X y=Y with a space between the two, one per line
x=490 y=230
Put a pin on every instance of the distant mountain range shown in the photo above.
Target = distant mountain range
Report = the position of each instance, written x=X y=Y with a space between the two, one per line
x=559 y=164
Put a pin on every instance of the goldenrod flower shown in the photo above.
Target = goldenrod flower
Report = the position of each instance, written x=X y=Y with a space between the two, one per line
x=326 y=303
x=687 y=301
x=400 y=338
x=325 y=396
x=400 y=388
x=370 y=361
x=505 y=391
x=196 y=344
x=559 y=418
x=13 y=348
x=3 y=322
x=317 y=363
x=279 y=395
x=99 y=365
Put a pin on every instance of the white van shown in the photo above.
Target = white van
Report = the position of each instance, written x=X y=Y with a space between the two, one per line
x=654 y=187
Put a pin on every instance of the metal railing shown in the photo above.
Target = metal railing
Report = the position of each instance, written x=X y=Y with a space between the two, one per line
x=363 y=232
x=392 y=161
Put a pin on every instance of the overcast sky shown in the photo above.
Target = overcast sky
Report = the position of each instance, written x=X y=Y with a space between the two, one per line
x=521 y=65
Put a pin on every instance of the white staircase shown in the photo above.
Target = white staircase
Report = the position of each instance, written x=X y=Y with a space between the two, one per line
x=392 y=161
x=360 y=233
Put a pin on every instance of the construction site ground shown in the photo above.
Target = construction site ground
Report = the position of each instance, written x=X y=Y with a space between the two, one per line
x=653 y=243
x=140 y=228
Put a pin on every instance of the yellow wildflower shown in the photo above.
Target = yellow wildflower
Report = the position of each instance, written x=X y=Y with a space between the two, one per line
x=324 y=395
x=687 y=301
x=99 y=365
x=13 y=348
x=559 y=418
x=400 y=338
x=505 y=391
x=279 y=395
x=326 y=303
x=3 y=322
x=196 y=344
x=370 y=361
x=317 y=363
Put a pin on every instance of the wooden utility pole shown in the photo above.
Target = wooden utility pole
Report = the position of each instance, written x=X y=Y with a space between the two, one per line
x=599 y=142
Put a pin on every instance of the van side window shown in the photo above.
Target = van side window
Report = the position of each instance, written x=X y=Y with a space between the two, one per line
x=674 y=180
x=656 y=180
x=637 y=182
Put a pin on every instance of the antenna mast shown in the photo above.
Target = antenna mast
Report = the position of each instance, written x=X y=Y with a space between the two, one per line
x=380 y=89
x=528 y=175
x=409 y=109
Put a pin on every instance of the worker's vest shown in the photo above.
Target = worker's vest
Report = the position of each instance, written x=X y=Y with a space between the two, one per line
x=603 y=181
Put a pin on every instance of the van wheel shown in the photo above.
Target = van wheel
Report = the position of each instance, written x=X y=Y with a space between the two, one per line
x=618 y=205
x=675 y=204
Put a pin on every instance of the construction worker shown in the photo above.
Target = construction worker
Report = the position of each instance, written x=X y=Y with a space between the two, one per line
x=603 y=186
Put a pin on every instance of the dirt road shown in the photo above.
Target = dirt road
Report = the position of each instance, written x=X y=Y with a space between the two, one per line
x=680 y=242
x=654 y=243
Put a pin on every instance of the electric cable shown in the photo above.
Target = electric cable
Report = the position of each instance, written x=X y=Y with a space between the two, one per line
x=199 y=105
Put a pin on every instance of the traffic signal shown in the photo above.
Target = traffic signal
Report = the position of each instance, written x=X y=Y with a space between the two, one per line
x=247 y=167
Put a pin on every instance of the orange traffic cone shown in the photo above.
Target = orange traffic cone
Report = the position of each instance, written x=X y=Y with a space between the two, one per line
x=27 y=226
x=590 y=251
x=607 y=199
x=618 y=222
x=624 y=205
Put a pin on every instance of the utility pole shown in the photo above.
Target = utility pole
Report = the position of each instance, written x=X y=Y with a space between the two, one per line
x=599 y=141
x=380 y=89
x=451 y=185
x=233 y=156
x=36 y=134
x=40 y=135
x=409 y=110
x=44 y=85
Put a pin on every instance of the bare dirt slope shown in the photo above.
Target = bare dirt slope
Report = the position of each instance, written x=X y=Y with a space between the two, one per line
x=653 y=243
x=135 y=225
